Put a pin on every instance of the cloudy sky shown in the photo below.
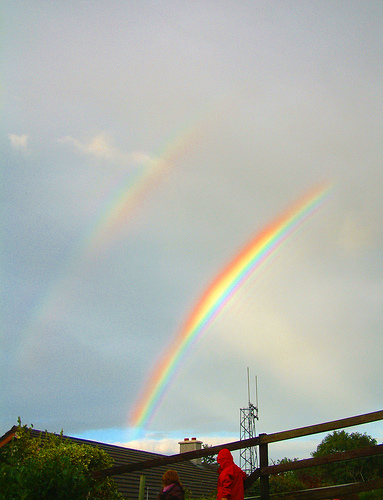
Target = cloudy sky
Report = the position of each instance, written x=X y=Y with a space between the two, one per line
x=144 y=143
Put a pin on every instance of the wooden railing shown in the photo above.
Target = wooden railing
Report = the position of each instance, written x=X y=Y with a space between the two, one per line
x=264 y=470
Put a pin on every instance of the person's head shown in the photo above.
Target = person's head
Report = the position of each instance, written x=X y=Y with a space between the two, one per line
x=224 y=458
x=170 y=477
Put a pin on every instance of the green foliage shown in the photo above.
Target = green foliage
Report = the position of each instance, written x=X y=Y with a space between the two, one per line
x=51 y=467
x=285 y=481
x=371 y=495
x=210 y=459
x=188 y=496
x=361 y=469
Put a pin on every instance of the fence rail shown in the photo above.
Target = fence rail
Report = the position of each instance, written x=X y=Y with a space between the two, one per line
x=330 y=491
x=263 y=440
x=308 y=463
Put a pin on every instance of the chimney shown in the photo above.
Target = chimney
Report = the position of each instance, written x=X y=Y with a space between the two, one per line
x=191 y=445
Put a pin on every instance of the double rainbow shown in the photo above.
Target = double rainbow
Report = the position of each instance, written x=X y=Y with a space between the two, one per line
x=216 y=296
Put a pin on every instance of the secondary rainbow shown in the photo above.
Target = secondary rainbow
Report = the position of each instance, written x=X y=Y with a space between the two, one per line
x=115 y=211
x=216 y=296
x=120 y=204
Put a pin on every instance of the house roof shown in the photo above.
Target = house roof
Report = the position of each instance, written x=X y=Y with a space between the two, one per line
x=199 y=480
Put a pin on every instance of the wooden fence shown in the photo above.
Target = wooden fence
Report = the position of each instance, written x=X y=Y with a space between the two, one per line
x=263 y=472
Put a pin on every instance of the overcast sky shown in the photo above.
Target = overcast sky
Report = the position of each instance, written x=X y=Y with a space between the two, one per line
x=220 y=114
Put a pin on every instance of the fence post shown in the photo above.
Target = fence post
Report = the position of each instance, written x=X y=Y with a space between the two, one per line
x=141 y=491
x=264 y=462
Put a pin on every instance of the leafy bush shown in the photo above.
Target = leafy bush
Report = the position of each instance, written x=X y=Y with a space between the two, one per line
x=51 y=467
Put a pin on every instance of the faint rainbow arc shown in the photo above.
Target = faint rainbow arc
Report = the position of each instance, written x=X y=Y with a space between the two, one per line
x=113 y=212
x=223 y=287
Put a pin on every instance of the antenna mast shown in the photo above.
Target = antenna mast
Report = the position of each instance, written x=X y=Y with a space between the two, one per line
x=248 y=456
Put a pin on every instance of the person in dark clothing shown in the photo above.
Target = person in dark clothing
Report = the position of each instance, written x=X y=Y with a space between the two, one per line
x=230 y=479
x=172 y=488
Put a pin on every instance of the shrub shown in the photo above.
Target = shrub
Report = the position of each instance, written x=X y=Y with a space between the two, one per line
x=52 y=467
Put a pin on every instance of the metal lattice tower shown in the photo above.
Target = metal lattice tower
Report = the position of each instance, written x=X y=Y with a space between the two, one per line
x=248 y=456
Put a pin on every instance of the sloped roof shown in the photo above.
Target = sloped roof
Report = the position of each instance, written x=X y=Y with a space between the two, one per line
x=199 y=480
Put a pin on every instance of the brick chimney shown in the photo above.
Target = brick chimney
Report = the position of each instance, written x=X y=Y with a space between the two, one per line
x=191 y=445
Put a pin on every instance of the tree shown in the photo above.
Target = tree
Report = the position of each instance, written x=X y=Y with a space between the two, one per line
x=285 y=481
x=362 y=469
x=209 y=459
x=52 y=467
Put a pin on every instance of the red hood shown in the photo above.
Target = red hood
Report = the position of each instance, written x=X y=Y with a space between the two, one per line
x=225 y=458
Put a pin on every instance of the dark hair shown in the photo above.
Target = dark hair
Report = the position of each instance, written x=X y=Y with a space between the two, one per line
x=170 y=477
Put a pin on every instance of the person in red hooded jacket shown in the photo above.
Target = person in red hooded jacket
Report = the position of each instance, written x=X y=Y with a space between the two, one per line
x=230 y=479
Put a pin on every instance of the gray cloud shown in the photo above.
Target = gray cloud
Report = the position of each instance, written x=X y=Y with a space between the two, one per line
x=285 y=96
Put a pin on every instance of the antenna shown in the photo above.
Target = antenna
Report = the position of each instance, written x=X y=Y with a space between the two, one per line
x=256 y=395
x=248 y=416
x=248 y=385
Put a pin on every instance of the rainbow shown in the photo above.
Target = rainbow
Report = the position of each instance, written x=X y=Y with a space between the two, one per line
x=124 y=199
x=216 y=296
x=116 y=209
x=112 y=216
